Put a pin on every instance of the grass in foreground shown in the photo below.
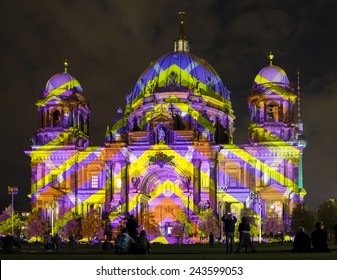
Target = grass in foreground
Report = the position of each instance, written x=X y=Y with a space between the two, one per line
x=264 y=251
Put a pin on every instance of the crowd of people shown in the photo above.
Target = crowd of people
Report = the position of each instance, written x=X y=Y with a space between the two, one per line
x=52 y=242
x=229 y=220
x=8 y=243
x=130 y=242
x=317 y=241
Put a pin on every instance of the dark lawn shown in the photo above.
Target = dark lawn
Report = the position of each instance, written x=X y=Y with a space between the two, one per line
x=265 y=251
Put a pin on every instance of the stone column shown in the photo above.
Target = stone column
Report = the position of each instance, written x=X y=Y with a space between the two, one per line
x=109 y=191
x=125 y=188
x=75 y=167
x=300 y=171
x=196 y=183
x=213 y=184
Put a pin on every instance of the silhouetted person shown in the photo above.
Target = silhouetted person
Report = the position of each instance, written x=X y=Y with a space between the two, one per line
x=319 y=238
x=244 y=230
x=229 y=221
x=49 y=241
x=72 y=241
x=302 y=242
x=281 y=235
x=57 y=242
x=132 y=226
x=124 y=243
x=8 y=243
x=142 y=245
x=211 y=240
x=335 y=229
x=106 y=244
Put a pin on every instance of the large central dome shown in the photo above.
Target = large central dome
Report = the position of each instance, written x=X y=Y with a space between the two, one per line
x=180 y=71
x=177 y=92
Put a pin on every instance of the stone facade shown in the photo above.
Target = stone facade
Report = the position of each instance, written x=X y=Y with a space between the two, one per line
x=170 y=155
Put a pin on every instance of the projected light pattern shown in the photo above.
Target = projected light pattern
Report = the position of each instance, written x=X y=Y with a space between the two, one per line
x=180 y=70
x=171 y=152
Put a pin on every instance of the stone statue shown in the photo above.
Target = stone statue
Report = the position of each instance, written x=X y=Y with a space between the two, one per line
x=161 y=135
x=186 y=181
x=135 y=181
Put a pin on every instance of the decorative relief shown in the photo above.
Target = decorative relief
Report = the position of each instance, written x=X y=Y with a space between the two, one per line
x=161 y=159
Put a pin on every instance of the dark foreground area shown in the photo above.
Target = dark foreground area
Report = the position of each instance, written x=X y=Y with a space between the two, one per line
x=264 y=251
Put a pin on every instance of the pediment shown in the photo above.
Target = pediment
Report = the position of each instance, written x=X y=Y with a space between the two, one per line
x=274 y=191
x=50 y=192
x=161 y=118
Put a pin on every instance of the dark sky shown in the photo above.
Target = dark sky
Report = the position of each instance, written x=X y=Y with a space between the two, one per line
x=109 y=43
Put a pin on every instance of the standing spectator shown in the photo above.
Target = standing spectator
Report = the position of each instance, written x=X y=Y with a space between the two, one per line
x=335 y=229
x=244 y=239
x=57 y=242
x=281 y=235
x=8 y=243
x=11 y=242
x=49 y=242
x=106 y=244
x=211 y=240
x=132 y=226
x=142 y=245
x=302 y=242
x=229 y=221
x=319 y=238
x=5 y=244
x=72 y=241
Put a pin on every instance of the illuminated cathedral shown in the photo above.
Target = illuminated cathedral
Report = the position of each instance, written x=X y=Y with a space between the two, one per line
x=171 y=150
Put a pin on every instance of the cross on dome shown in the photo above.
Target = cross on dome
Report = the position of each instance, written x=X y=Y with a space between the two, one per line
x=66 y=65
x=270 y=57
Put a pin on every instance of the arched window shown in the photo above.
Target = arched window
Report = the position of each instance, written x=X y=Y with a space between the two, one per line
x=232 y=175
x=56 y=118
x=81 y=122
x=272 y=112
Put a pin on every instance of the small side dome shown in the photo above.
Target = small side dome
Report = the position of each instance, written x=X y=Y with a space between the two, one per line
x=62 y=81
x=272 y=74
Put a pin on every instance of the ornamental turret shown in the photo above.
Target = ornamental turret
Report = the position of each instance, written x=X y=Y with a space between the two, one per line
x=64 y=113
x=271 y=106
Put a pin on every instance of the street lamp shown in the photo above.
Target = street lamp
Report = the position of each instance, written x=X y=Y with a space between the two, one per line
x=13 y=190
x=221 y=213
x=220 y=224
x=260 y=221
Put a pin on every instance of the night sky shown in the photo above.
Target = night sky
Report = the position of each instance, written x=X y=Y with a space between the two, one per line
x=109 y=44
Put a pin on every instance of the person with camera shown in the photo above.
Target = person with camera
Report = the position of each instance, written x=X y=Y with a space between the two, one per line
x=229 y=221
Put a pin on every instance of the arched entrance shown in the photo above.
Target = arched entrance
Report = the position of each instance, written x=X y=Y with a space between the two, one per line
x=163 y=199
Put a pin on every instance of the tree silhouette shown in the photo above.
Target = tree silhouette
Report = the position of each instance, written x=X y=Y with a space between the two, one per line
x=209 y=224
x=273 y=226
x=73 y=226
x=36 y=227
x=148 y=223
x=327 y=213
x=302 y=217
x=6 y=222
x=92 y=225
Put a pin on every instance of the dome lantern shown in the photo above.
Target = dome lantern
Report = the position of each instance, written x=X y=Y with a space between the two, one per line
x=181 y=44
